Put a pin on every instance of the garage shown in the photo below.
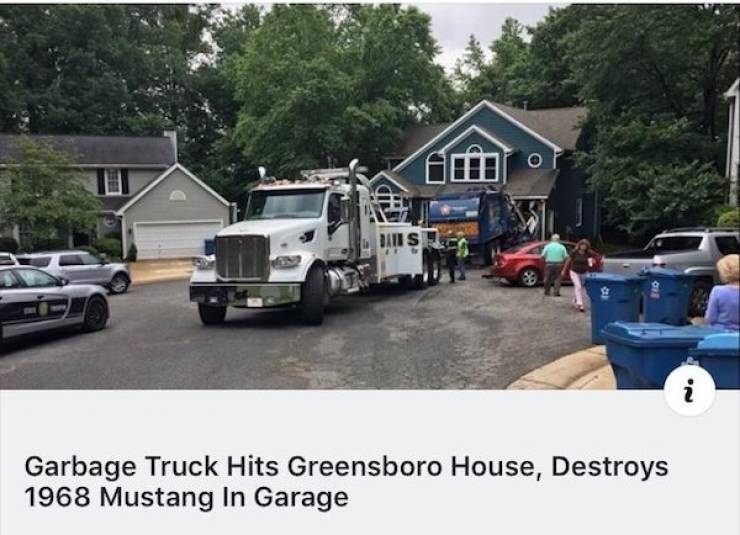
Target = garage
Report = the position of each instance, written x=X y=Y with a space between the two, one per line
x=180 y=239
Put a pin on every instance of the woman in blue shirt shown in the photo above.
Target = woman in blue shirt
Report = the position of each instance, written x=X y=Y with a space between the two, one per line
x=723 y=309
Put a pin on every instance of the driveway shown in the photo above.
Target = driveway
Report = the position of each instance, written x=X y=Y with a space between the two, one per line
x=474 y=334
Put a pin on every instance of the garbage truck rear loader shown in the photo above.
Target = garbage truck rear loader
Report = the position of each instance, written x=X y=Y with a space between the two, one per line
x=303 y=242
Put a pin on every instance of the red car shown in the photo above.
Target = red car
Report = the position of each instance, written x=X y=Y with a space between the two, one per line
x=523 y=264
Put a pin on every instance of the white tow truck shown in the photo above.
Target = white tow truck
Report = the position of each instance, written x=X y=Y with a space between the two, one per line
x=305 y=241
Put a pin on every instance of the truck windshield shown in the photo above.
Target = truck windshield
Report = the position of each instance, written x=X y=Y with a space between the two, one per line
x=288 y=204
x=674 y=243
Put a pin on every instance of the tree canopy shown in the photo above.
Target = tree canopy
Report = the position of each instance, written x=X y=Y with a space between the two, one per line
x=303 y=86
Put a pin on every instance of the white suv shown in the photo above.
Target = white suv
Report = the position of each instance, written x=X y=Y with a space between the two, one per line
x=81 y=267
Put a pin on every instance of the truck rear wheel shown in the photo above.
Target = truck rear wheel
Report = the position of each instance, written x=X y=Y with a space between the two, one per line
x=211 y=315
x=313 y=297
x=488 y=253
x=421 y=281
x=435 y=268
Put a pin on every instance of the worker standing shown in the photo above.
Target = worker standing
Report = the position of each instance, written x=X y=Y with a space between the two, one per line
x=462 y=253
x=451 y=255
x=554 y=255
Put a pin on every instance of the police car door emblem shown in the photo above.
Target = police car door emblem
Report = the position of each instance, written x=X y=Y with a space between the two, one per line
x=43 y=309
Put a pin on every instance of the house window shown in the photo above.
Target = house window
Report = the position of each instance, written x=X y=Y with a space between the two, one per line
x=475 y=166
x=579 y=211
x=435 y=169
x=534 y=160
x=112 y=182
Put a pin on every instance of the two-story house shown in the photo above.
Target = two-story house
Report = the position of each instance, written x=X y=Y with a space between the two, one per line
x=525 y=152
x=147 y=197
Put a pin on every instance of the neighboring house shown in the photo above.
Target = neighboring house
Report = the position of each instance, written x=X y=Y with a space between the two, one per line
x=148 y=198
x=733 y=140
x=526 y=152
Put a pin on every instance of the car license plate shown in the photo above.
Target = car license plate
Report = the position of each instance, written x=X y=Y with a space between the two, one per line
x=255 y=302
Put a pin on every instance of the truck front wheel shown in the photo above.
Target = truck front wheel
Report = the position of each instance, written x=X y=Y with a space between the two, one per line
x=211 y=315
x=313 y=297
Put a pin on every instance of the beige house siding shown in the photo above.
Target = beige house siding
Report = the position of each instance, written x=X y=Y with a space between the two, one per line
x=161 y=204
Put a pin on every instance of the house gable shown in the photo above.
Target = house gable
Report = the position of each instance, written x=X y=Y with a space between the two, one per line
x=489 y=119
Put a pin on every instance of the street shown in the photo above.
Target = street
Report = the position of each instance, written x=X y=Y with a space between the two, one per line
x=474 y=334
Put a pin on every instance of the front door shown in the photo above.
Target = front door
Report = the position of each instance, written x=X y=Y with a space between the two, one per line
x=337 y=229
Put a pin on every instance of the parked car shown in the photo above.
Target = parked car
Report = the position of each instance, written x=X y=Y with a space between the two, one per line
x=690 y=250
x=81 y=267
x=32 y=301
x=8 y=259
x=525 y=266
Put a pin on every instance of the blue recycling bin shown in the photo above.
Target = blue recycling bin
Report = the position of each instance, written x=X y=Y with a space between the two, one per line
x=719 y=354
x=666 y=294
x=613 y=298
x=210 y=247
x=642 y=355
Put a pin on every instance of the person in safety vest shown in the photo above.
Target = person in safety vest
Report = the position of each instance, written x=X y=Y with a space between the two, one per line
x=451 y=255
x=462 y=253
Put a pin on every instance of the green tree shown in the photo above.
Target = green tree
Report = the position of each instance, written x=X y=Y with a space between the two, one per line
x=43 y=195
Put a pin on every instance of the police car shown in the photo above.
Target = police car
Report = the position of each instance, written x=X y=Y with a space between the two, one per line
x=33 y=301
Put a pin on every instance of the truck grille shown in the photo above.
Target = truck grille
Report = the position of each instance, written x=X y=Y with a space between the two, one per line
x=242 y=257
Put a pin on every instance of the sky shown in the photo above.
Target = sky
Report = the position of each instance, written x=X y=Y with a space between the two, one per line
x=453 y=23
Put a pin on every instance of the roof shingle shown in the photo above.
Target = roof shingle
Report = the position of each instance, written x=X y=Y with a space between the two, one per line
x=100 y=150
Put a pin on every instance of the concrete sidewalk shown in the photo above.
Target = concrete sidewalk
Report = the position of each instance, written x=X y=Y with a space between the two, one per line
x=584 y=370
x=148 y=271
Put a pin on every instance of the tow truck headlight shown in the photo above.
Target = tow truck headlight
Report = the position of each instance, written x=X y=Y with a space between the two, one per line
x=286 y=261
x=204 y=262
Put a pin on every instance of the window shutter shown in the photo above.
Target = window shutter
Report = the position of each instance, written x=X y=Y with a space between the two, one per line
x=124 y=181
x=101 y=181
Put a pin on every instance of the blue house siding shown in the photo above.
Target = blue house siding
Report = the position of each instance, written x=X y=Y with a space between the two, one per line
x=383 y=181
x=500 y=127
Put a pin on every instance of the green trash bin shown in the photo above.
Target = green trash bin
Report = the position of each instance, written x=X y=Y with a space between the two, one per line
x=613 y=298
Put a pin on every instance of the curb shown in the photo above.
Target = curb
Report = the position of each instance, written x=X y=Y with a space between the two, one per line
x=583 y=370
x=152 y=280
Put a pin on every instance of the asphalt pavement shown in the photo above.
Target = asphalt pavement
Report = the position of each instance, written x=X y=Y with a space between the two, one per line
x=473 y=334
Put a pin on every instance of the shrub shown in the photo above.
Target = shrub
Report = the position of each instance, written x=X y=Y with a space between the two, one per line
x=729 y=217
x=132 y=252
x=110 y=247
x=88 y=248
x=117 y=235
x=8 y=244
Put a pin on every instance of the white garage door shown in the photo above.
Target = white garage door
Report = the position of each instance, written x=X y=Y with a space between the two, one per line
x=173 y=240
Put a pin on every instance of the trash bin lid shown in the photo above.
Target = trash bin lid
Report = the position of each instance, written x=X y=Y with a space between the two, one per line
x=725 y=343
x=610 y=277
x=664 y=272
x=656 y=334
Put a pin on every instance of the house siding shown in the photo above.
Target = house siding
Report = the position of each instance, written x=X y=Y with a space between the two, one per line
x=498 y=126
x=157 y=206
x=571 y=185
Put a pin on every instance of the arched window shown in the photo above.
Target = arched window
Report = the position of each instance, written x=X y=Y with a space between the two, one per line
x=435 y=169
x=474 y=149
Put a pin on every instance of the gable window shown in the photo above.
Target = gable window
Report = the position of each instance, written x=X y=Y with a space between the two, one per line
x=475 y=166
x=113 y=182
x=435 y=169
x=534 y=160
x=579 y=211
